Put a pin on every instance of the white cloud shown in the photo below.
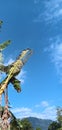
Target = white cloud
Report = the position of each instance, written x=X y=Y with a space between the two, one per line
x=36 y=1
x=48 y=113
x=55 y=51
x=10 y=61
x=52 y=11
x=42 y=104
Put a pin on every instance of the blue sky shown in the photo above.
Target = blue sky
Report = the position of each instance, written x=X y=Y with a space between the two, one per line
x=36 y=24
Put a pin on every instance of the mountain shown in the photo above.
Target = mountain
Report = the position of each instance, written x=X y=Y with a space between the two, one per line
x=41 y=123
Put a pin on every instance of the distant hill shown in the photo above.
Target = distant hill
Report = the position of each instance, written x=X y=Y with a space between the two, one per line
x=42 y=123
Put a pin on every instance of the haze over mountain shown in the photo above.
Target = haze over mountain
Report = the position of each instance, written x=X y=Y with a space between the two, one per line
x=41 y=123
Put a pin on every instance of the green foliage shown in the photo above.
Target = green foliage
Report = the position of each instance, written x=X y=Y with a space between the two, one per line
x=60 y=128
x=14 y=125
x=4 y=45
x=57 y=125
x=26 y=125
x=59 y=115
x=20 y=124
x=38 y=128
x=54 y=126
x=1 y=22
